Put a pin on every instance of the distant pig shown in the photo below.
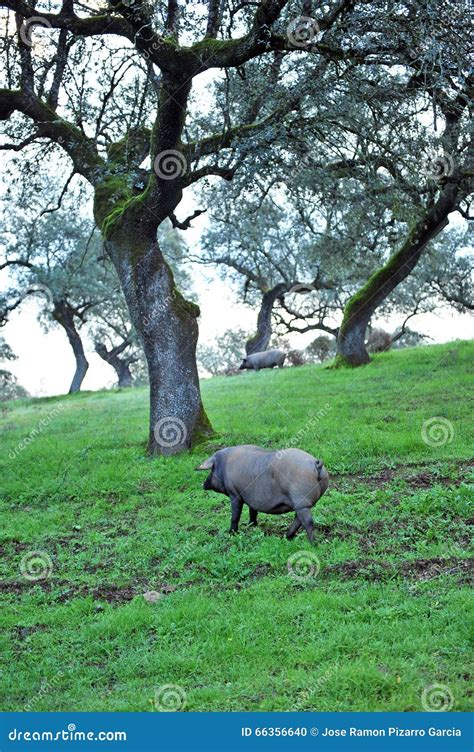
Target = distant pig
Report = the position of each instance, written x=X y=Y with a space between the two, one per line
x=289 y=480
x=264 y=359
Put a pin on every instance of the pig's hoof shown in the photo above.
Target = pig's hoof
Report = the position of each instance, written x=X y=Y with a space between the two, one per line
x=233 y=532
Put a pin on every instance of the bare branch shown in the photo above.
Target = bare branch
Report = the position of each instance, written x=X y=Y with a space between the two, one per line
x=186 y=223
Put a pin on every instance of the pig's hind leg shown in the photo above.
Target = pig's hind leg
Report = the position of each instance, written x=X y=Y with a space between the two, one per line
x=293 y=529
x=306 y=519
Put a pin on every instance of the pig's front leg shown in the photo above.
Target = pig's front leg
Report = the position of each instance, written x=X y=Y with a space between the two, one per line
x=304 y=516
x=252 y=516
x=236 y=505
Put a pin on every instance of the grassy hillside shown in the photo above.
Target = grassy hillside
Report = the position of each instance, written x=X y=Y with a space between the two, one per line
x=383 y=619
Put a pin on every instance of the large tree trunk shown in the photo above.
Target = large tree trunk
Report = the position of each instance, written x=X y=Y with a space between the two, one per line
x=261 y=339
x=164 y=320
x=121 y=366
x=167 y=326
x=64 y=315
x=351 y=338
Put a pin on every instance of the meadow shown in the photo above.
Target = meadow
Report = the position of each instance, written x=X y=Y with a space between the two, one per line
x=144 y=600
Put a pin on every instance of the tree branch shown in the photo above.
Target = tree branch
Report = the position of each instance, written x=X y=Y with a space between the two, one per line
x=81 y=149
x=186 y=223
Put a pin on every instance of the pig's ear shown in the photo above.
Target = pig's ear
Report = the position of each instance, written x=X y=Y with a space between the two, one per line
x=207 y=464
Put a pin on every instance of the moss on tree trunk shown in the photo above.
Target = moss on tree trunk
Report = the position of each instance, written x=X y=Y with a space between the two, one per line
x=351 y=350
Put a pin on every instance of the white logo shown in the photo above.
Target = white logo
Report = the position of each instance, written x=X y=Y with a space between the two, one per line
x=302 y=287
x=437 y=431
x=27 y=27
x=303 y=565
x=302 y=31
x=36 y=565
x=169 y=698
x=38 y=289
x=170 y=164
x=437 y=698
x=169 y=432
x=439 y=167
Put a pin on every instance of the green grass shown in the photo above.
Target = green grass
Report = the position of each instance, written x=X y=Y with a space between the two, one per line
x=385 y=617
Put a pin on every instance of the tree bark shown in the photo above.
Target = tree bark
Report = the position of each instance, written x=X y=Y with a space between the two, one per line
x=167 y=326
x=261 y=338
x=165 y=322
x=351 y=348
x=64 y=315
x=121 y=366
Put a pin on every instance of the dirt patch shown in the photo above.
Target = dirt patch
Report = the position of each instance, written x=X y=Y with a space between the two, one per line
x=426 y=478
x=106 y=592
x=418 y=569
x=18 y=586
x=21 y=633
x=71 y=543
x=113 y=497
x=427 y=569
x=99 y=567
x=393 y=536
x=111 y=593
x=13 y=545
x=276 y=529
x=366 y=569
x=145 y=486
